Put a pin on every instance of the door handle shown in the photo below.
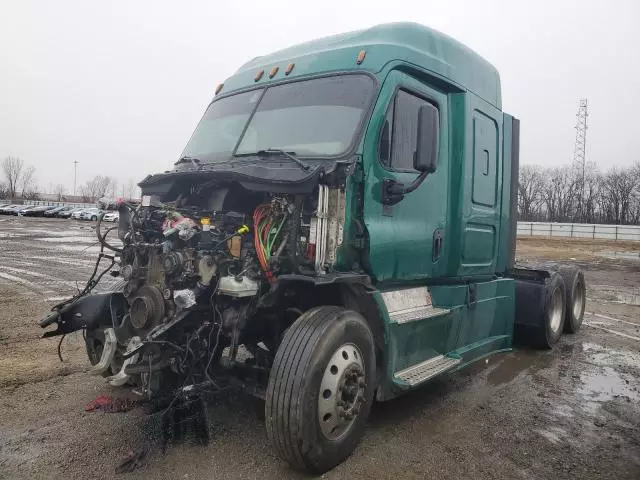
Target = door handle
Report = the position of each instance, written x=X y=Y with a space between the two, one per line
x=437 y=244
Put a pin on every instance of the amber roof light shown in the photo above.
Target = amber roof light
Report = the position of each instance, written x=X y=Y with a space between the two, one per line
x=360 y=57
x=273 y=72
x=218 y=88
x=258 y=75
x=289 y=68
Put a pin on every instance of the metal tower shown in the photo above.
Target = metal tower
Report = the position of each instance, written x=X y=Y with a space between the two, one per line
x=579 y=149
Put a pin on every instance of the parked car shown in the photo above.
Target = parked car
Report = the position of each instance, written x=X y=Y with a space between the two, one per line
x=91 y=214
x=69 y=213
x=54 y=211
x=77 y=213
x=23 y=209
x=38 y=211
x=111 y=217
x=8 y=209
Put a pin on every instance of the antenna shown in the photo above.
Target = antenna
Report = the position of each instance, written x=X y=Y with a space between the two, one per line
x=579 y=150
x=75 y=176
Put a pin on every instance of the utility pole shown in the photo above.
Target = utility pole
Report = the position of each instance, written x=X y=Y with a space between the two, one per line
x=579 y=152
x=75 y=176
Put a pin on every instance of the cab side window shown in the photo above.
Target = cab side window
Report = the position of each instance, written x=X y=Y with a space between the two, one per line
x=399 y=136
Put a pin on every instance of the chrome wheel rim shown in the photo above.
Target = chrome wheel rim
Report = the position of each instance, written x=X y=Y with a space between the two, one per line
x=557 y=310
x=578 y=301
x=342 y=391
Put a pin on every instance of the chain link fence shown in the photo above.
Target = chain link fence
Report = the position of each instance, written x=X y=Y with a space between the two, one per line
x=579 y=230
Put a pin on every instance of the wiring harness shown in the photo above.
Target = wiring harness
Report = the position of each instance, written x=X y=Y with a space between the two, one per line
x=269 y=240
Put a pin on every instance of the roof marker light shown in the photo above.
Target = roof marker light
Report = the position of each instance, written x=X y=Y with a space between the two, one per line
x=360 y=57
x=258 y=75
x=289 y=68
x=218 y=88
x=273 y=72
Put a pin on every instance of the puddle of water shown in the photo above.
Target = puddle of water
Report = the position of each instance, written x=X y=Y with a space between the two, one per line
x=614 y=294
x=565 y=411
x=68 y=239
x=514 y=364
x=611 y=357
x=65 y=260
x=604 y=385
x=553 y=434
x=628 y=298
x=615 y=255
x=91 y=250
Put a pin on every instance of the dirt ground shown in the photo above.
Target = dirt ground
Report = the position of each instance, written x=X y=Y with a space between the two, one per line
x=569 y=413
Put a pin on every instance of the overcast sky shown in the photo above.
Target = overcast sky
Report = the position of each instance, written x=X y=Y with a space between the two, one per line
x=120 y=85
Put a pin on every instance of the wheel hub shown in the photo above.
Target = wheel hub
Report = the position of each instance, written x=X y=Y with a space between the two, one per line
x=578 y=302
x=342 y=391
x=557 y=310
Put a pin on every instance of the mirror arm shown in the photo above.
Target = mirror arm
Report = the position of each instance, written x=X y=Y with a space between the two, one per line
x=416 y=183
x=393 y=192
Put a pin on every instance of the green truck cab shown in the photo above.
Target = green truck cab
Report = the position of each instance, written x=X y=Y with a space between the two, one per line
x=345 y=215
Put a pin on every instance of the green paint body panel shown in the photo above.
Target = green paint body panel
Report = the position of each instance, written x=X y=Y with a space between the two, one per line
x=469 y=331
x=466 y=200
x=409 y=43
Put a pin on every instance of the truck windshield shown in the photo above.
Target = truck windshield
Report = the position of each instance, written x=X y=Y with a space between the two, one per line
x=318 y=117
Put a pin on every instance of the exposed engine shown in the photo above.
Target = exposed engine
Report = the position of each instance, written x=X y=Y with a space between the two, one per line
x=199 y=275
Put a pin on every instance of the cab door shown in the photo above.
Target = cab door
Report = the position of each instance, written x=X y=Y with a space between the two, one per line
x=407 y=240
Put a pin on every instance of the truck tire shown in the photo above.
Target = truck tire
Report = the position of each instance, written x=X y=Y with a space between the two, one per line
x=575 y=297
x=540 y=311
x=320 y=389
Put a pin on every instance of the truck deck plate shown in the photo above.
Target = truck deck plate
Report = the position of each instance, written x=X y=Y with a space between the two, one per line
x=425 y=370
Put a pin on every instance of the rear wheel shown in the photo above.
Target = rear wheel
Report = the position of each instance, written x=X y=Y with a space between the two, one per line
x=575 y=297
x=94 y=218
x=540 y=311
x=321 y=389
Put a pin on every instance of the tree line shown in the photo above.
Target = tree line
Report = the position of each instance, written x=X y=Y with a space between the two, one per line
x=18 y=181
x=571 y=194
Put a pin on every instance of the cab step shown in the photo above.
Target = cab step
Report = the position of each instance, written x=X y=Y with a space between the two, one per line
x=423 y=371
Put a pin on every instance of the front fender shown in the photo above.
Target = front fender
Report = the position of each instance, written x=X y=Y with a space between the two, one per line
x=86 y=312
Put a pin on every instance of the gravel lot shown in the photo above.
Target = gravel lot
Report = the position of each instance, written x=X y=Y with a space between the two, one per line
x=573 y=412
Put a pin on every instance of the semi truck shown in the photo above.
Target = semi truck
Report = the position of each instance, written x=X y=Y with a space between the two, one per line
x=339 y=229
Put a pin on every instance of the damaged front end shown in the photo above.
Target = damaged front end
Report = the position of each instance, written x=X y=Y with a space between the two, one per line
x=204 y=262
x=225 y=251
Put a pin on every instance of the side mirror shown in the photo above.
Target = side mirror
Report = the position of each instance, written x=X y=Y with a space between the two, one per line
x=426 y=155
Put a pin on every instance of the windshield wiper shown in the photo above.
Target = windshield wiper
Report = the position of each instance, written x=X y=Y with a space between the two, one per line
x=280 y=152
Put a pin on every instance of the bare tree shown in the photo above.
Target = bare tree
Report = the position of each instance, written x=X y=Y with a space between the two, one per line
x=560 y=194
x=131 y=190
x=591 y=192
x=530 y=188
x=618 y=188
x=95 y=188
x=59 y=191
x=12 y=169
x=27 y=182
x=4 y=190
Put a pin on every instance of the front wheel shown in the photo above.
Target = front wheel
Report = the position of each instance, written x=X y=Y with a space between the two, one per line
x=94 y=218
x=321 y=388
